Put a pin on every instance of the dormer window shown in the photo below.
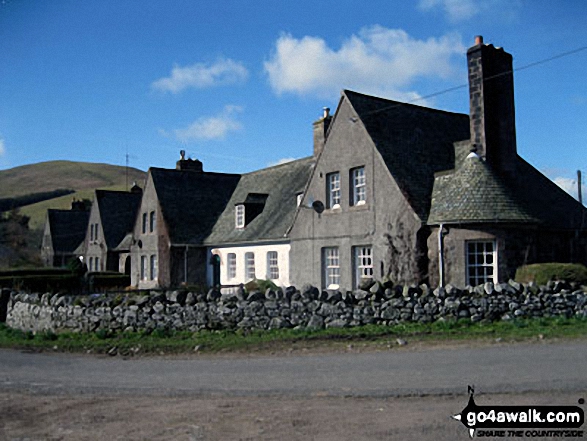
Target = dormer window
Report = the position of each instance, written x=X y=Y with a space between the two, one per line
x=239 y=216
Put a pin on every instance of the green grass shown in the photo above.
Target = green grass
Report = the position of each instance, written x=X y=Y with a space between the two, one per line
x=161 y=341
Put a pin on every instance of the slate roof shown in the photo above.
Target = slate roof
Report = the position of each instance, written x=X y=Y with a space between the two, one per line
x=191 y=202
x=415 y=142
x=545 y=200
x=475 y=194
x=68 y=229
x=118 y=212
x=281 y=183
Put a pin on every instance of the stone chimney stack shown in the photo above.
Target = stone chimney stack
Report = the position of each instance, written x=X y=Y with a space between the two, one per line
x=320 y=130
x=491 y=98
x=188 y=164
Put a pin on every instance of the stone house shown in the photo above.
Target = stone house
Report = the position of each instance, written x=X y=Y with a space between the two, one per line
x=413 y=194
x=178 y=210
x=249 y=240
x=106 y=246
x=63 y=233
x=393 y=191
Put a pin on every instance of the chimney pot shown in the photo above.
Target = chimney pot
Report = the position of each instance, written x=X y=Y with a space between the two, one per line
x=326 y=112
x=478 y=40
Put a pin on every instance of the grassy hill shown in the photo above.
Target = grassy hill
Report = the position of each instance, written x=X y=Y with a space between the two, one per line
x=82 y=177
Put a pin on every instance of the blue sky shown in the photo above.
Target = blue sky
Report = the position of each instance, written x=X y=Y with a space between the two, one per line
x=238 y=83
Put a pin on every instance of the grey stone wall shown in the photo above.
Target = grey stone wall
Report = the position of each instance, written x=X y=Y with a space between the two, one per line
x=307 y=308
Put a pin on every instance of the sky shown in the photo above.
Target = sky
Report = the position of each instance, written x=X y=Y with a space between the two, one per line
x=237 y=84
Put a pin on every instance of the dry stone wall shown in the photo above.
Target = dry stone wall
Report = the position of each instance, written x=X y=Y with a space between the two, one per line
x=306 y=308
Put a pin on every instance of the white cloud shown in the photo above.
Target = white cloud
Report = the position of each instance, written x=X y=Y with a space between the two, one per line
x=377 y=60
x=201 y=75
x=281 y=161
x=460 y=10
x=213 y=127
x=570 y=186
x=2 y=148
x=456 y=10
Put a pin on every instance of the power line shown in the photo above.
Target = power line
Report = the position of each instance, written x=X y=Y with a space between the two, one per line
x=461 y=86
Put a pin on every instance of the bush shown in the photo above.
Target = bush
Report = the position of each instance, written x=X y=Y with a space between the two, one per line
x=101 y=281
x=260 y=285
x=541 y=273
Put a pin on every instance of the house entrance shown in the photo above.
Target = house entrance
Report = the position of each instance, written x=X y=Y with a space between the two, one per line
x=127 y=266
x=215 y=261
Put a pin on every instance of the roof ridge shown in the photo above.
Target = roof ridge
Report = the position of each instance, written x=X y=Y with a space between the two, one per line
x=398 y=104
x=289 y=163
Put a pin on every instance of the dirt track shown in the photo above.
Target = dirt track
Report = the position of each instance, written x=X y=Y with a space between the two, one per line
x=26 y=416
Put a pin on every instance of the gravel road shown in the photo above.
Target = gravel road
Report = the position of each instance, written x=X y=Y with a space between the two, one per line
x=401 y=393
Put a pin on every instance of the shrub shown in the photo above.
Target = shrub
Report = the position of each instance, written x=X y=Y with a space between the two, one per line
x=260 y=285
x=541 y=273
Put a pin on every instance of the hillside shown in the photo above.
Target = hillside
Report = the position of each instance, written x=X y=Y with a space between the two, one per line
x=82 y=177
x=51 y=175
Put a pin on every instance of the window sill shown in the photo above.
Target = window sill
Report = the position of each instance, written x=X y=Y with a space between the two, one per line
x=359 y=207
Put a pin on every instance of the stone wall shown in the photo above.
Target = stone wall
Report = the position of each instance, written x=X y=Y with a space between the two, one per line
x=307 y=308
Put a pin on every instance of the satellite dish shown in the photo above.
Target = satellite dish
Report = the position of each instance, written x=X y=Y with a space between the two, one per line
x=318 y=207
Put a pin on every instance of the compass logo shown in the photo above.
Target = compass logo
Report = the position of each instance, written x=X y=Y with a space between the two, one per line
x=514 y=421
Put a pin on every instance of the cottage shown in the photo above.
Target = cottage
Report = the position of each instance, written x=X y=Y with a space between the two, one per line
x=178 y=210
x=413 y=194
x=249 y=240
x=106 y=246
x=63 y=233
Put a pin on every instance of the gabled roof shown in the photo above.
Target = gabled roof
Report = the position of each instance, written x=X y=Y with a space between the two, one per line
x=475 y=194
x=68 y=228
x=118 y=212
x=281 y=184
x=191 y=201
x=415 y=142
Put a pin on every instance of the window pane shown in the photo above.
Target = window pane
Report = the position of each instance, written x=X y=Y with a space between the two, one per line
x=272 y=265
x=240 y=216
x=331 y=267
x=359 y=186
x=250 y=266
x=231 y=265
x=481 y=262
x=333 y=189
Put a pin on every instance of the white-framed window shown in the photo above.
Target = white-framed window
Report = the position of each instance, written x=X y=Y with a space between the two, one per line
x=153 y=266
x=359 y=188
x=97 y=264
x=152 y=221
x=231 y=265
x=272 y=265
x=239 y=216
x=144 y=229
x=250 y=266
x=333 y=190
x=143 y=267
x=90 y=264
x=331 y=267
x=363 y=264
x=299 y=198
x=481 y=261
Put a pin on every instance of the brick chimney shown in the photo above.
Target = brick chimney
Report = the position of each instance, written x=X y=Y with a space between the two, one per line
x=188 y=164
x=491 y=98
x=320 y=130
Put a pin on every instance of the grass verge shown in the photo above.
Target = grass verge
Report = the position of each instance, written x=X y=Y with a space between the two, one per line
x=167 y=342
